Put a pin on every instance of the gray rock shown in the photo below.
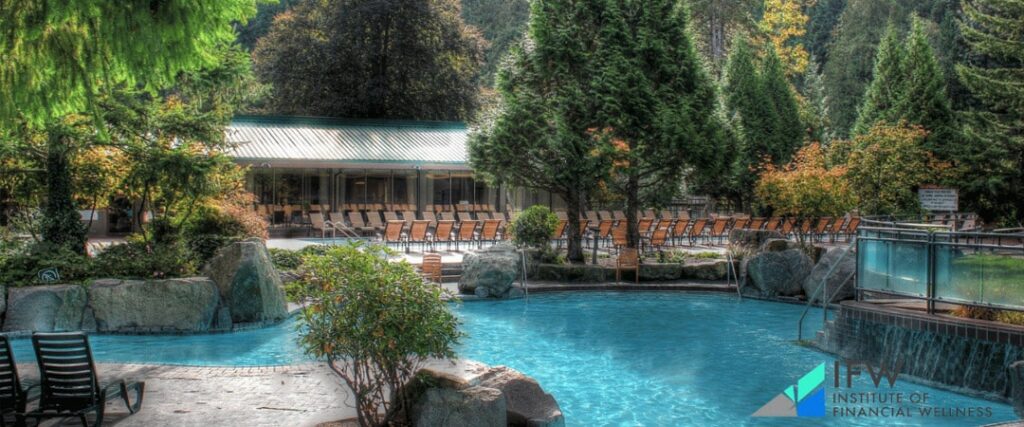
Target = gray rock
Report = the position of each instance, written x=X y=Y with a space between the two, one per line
x=481 y=292
x=173 y=305
x=1016 y=373
x=575 y=273
x=222 y=321
x=778 y=245
x=471 y=406
x=249 y=285
x=779 y=273
x=526 y=402
x=706 y=270
x=750 y=240
x=89 y=320
x=847 y=265
x=654 y=272
x=516 y=292
x=494 y=268
x=46 y=308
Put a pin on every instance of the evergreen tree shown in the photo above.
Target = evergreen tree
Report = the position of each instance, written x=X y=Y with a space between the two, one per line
x=502 y=23
x=823 y=18
x=923 y=100
x=657 y=100
x=716 y=22
x=787 y=131
x=851 y=57
x=544 y=134
x=750 y=108
x=887 y=86
x=992 y=31
x=372 y=58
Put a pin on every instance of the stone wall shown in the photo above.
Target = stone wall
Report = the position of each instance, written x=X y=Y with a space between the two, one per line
x=589 y=273
x=243 y=289
x=959 y=353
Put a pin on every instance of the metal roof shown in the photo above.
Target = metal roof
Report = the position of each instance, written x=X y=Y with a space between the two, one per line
x=319 y=142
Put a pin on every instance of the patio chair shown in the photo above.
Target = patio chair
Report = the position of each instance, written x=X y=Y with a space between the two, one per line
x=430 y=268
x=679 y=229
x=317 y=222
x=561 y=215
x=851 y=227
x=756 y=224
x=644 y=226
x=719 y=229
x=559 y=231
x=448 y=216
x=619 y=215
x=788 y=225
x=740 y=224
x=13 y=396
x=619 y=234
x=463 y=216
x=443 y=233
x=666 y=214
x=697 y=230
x=408 y=216
x=805 y=227
x=375 y=221
x=821 y=228
x=837 y=228
x=649 y=213
x=489 y=232
x=390 y=216
x=773 y=224
x=683 y=214
x=604 y=229
x=417 y=234
x=659 y=238
x=430 y=217
x=606 y=215
x=393 y=232
x=355 y=218
x=592 y=217
x=68 y=384
x=467 y=233
x=628 y=259
x=483 y=215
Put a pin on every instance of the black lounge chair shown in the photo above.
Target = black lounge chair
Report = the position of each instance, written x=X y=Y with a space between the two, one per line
x=13 y=396
x=68 y=383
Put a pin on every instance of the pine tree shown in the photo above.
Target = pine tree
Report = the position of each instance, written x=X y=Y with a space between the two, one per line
x=887 y=85
x=991 y=29
x=787 y=132
x=923 y=99
x=823 y=18
x=749 y=107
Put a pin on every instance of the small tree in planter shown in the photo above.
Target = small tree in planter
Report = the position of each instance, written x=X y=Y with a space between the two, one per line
x=533 y=227
x=376 y=323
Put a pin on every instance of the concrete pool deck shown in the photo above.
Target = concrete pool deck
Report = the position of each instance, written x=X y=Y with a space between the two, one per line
x=301 y=395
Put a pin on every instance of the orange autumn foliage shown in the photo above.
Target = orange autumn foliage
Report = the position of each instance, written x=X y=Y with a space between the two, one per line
x=806 y=187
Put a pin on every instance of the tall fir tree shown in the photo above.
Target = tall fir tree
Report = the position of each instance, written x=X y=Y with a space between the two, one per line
x=887 y=84
x=750 y=110
x=657 y=100
x=995 y=180
x=823 y=18
x=924 y=100
x=787 y=131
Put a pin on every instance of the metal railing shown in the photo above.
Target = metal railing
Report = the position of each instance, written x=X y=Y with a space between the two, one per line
x=823 y=289
x=918 y=262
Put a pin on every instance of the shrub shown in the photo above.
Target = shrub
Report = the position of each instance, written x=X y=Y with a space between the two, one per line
x=140 y=260
x=533 y=227
x=22 y=269
x=210 y=230
x=376 y=323
x=285 y=259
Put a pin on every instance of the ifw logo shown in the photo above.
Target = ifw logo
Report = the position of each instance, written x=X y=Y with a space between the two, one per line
x=805 y=399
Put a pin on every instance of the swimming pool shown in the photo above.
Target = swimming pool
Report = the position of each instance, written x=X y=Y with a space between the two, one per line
x=661 y=359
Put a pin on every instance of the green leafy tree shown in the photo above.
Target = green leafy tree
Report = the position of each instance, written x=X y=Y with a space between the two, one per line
x=888 y=84
x=372 y=58
x=57 y=56
x=657 y=101
x=250 y=32
x=376 y=323
x=992 y=30
x=545 y=133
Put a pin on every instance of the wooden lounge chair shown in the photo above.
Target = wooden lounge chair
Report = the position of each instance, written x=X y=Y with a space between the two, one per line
x=375 y=221
x=467 y=233
x=821 y=228
x=697 y=230
x=628 y=259
x=719 y=229
x=463 y=216
x=390 y=216
x=430 y=268
x=489 y=232
x=68 y=385
x=837 y=228
x=317 y=222
x=448 y=216
x=756 y=224
x=644 y=226
x=14 y=397
x=659 y=238
x=430 y=217
x=355 y=218
x=559 y=230
x=851 y=227
x=561 y=215
x=649 y=213
x=592 y=217
x=483 y=215
x=741 y=224
x=679 y=229
x=606 y=215
x=619 y=238
x=393 y=231
x=787 y=227
x=443 y=233
x=604 y=228
x=408 y=216
x=619 y=215
x=417 y=234
x=773 y=224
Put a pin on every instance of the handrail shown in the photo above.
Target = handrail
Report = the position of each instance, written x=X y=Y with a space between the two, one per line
x=732 y=268
x=824 y=285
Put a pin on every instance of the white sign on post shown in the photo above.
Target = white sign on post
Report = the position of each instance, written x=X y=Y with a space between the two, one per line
x=939 y=199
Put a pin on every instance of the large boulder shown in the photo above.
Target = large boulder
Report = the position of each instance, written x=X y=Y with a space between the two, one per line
x=490 y=272
x=175 y=305
x=248 y=283
x=847 y=265
x=526 y=402
x=56 y=308
x=472 y=406
x=778 y=273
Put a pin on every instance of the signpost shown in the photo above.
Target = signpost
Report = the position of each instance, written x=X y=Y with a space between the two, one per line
x=939 y=199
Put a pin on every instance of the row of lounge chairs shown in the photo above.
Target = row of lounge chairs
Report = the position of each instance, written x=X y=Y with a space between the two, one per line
x=668 y=231
x=354 y=224
x=68 y=385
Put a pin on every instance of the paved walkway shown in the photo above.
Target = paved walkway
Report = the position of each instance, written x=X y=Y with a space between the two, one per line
x=203 y=396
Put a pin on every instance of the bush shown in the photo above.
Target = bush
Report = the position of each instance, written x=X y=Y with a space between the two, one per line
x=22 y=269
x=285 y=259
x=533 y=227
x=376 y=323
x=209 y=231
x=140 y=260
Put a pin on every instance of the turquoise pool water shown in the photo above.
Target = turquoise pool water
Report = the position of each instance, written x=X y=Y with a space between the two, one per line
x=652 y=359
